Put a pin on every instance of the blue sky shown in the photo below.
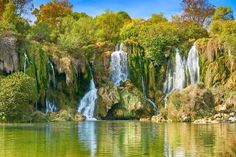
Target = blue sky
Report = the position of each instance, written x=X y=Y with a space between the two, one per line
x=135 y=8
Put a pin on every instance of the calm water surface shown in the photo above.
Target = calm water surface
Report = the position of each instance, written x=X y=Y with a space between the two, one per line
x=117 y=138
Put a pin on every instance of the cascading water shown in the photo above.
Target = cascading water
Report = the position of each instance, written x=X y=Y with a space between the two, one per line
x=88 y=102
x=146 y=98
x=53 y=74
x=179 y=75
x=193 y=65
x=50 y=103
x=183 y=71
x=119 y=65
x=50 y=106
x=26 y=61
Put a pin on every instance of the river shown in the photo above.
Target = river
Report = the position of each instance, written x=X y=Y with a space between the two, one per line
x=117 y=138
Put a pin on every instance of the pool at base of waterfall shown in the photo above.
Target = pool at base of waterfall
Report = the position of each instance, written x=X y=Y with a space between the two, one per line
x=116 y=138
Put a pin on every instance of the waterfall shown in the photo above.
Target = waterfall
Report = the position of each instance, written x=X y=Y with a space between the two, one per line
x=119 y=65
x=50 y=106
x=26 y=61
x=146 y=98
x=88 y=102
x=183 y=71
x=53 y=74
x=50 y=103
x=193 y=65
x=179 y=75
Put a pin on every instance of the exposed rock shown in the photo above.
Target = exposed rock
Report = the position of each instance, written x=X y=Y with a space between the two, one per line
x=108 y=96
x=124 y=102
x=62 y=115
x=79 y=117
x=157 y=119
x=190 y=103
x=9 y=58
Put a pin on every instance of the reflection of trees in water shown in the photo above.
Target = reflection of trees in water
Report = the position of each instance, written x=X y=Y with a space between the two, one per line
x=118 y=138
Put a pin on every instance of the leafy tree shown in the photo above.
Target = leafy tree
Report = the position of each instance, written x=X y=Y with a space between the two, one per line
x=9 y=14
x=109 y=25
x=156 y=18
x=51 y=11
x=21 y=5
x=197 y=10
x=17 y=97
x=223 y=13
x=80 y=33
x=40 y=32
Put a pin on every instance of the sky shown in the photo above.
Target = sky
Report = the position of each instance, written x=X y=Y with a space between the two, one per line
x=135 y=8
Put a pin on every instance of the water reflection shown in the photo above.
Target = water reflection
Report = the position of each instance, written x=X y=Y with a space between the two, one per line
x=87 y=136
x=118 y=139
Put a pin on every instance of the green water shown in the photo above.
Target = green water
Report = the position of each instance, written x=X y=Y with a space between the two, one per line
x=116 y=138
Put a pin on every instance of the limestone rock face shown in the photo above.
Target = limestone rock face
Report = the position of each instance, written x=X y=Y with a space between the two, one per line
x=9 y=58
x=70 y=66
x=124 y=102
x=190 y=103
x=108 y=96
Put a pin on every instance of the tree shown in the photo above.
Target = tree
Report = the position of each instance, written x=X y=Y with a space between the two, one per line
x=21 y=5
x=109 y=25
x=223 y=13
x=79 y=35
x=9 y=14
x=156 y=18
x=17 y=97
x=51 y=11
x=197 y=10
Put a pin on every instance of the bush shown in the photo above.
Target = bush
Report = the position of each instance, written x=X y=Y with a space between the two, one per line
x=17 y=96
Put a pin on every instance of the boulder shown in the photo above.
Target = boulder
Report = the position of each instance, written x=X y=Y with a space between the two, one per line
x=124 y=102
x=107 y=96
x=191 y=103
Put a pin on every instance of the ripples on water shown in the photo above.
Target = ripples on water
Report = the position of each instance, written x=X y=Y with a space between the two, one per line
x=117 y=138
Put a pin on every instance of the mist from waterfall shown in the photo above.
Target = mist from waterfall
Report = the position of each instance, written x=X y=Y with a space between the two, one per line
x=88 y=102
x=178 y=77
x=119 y=65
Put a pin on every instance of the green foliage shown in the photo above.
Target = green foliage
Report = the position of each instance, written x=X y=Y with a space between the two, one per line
x=17 y=97
x=9 y=14
x=40 y=32
x=79 y=34
x=109 y=25
x=226 y=31
x=223 y=13
x=157 y=18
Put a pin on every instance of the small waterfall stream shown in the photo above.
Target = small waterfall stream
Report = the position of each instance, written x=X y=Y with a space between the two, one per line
x=26 y=61
x=50 y=103
x=88 y=102
x=183 y=71
x=145 y=96
x=119 y=65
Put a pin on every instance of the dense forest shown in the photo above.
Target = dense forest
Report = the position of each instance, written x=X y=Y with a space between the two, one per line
x=47 y=66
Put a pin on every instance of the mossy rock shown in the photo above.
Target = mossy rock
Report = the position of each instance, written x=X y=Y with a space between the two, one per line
x=190 y=103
